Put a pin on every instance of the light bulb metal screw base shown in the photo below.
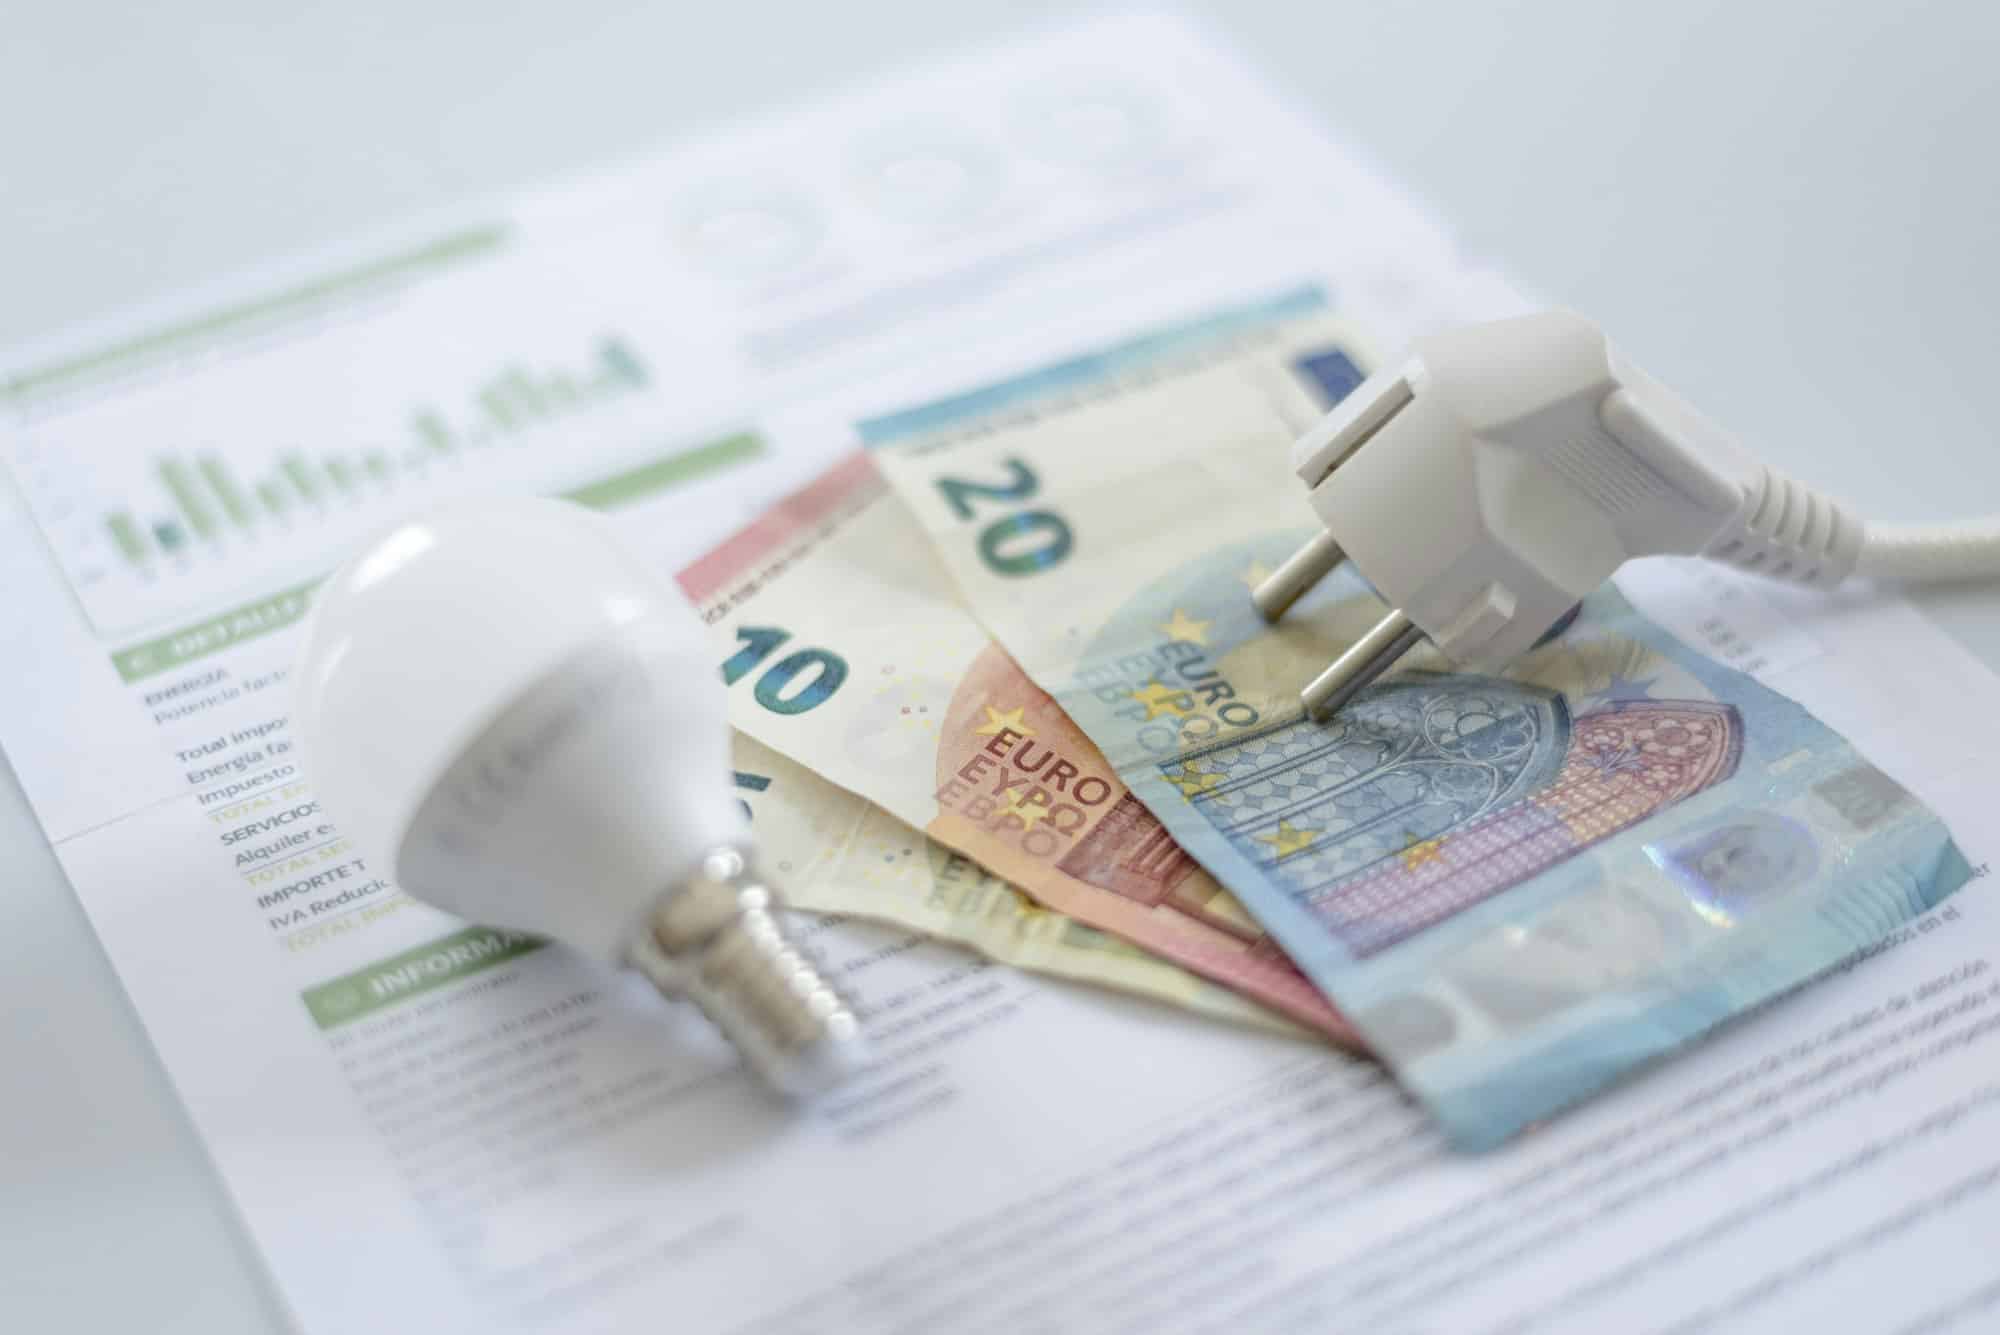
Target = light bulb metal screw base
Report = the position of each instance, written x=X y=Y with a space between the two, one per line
x=716 y=939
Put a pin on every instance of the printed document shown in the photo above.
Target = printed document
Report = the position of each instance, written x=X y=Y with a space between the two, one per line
x=432 y=1125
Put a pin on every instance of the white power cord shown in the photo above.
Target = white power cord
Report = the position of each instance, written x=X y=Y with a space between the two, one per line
x=1503 y=471
x=1931 y=553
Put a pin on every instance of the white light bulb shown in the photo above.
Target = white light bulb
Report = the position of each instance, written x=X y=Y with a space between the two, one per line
x=524 y=726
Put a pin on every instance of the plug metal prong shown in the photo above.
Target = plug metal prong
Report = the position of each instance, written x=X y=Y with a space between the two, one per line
x=1368 y=658
x=1301 y=570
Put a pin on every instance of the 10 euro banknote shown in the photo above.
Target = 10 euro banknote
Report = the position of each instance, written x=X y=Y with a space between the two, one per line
x=1517 y=887
x=853 y=657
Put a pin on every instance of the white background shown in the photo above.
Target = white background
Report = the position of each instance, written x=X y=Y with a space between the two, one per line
x=1784 y=210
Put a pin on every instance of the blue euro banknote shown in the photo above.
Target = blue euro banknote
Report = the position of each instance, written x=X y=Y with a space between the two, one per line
x=1518 y=887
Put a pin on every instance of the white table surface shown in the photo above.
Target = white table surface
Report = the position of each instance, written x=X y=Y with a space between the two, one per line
x=1786 y=210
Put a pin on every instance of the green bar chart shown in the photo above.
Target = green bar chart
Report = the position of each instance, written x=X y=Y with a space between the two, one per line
x=203 y=499
x=163 y=513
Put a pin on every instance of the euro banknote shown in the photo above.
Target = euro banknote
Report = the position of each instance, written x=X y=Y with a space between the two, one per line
x=1517 y=887
x=833 y=852
x=852 y=656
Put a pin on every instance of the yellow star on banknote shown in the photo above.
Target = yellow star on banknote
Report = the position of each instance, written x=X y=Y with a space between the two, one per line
x=1289 y=839
x=1027 y=812
x=1194 y=782
x=1419 y=851
x=1255 y=575
x=1160 y=699
x=998 y=721
x=1184 y=629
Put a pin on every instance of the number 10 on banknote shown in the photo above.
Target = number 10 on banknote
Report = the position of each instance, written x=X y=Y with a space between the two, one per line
x=1518 y=888
x=853 y=657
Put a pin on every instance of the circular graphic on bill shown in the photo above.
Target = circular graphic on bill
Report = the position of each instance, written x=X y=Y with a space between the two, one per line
x=749 y=234
x=928 y=180
x=1099 y=124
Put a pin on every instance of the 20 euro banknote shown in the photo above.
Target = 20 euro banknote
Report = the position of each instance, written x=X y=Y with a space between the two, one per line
x=833 y=852
x=1517 y=887
x=853 y=657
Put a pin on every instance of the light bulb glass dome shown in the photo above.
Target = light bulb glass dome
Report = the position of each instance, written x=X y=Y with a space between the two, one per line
x=518 y=721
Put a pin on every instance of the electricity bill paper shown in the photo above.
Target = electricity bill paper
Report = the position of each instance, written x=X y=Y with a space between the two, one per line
x=424 y=1121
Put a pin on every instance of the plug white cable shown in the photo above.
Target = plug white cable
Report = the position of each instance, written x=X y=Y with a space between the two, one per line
x=1503 y=471
x=1931 y=553
x=1805 y=537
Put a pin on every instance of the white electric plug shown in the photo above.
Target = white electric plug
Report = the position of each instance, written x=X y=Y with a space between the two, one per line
x=1502 y=471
